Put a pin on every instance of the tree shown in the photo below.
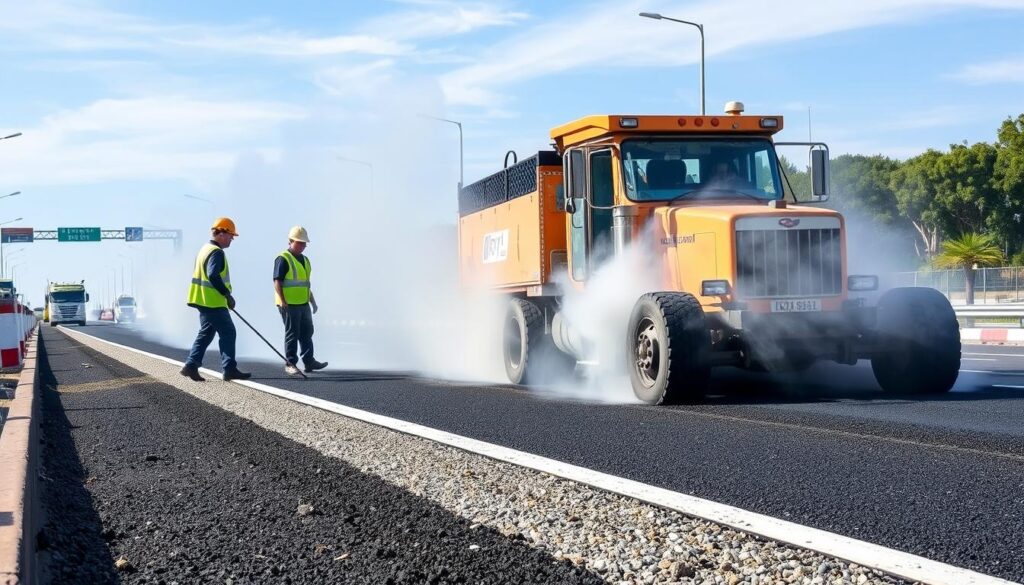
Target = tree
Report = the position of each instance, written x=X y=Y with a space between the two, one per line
x=862 y=184
x=913 y=186
x=969 y=252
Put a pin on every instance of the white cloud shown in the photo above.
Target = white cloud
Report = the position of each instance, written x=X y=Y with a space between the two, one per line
x=611 y=34
x=355 y=80
x=1003 y=71
x=167 y=137
x=444 y=18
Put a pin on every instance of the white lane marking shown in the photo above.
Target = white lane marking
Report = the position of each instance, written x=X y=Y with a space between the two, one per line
x=1013 y=355
x=1007 y=386
x=895 y=562
x=977 y=359
x=993 y=372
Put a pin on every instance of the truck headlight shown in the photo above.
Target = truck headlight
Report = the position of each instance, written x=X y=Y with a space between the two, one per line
x=862 y=282
x=714 y=288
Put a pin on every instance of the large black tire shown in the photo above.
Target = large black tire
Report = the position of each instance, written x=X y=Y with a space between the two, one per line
x=917 y=343
x=530 y=354
x=669 y=348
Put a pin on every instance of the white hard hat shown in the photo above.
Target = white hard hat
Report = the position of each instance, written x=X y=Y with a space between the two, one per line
x=298 y=233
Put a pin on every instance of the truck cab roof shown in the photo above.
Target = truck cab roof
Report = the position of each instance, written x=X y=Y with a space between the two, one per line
x=604 y=125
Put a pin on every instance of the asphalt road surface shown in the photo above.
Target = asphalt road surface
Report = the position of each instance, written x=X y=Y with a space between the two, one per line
x=937 y=476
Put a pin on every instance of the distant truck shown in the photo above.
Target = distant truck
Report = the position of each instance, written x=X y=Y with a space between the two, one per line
x=125 y=310
x=743 y=275
x=65 y=302
x=7 y=288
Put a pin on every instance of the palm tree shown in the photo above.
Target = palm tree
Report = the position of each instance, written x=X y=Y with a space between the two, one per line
x=969 y=252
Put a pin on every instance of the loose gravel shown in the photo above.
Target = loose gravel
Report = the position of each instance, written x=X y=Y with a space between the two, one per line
x=143 y=483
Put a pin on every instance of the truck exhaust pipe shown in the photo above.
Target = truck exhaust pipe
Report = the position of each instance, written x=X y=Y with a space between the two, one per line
x=623 y=226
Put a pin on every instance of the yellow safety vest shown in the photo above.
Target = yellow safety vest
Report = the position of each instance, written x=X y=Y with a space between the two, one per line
x=295 y=285
x=202 y=293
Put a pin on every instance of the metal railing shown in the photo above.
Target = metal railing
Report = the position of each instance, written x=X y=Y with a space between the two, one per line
x=991 y=285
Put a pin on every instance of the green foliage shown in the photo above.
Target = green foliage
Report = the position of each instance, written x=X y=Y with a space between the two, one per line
x=1017 y=259
x=969 y=250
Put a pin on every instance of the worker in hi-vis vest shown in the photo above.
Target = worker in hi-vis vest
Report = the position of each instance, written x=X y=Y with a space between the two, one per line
x=296 y=303
x=210 y=294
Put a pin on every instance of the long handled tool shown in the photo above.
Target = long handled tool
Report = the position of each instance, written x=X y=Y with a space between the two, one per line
x=270 y=345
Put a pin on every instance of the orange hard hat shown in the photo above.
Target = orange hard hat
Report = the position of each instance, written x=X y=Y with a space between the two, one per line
x=225 y=224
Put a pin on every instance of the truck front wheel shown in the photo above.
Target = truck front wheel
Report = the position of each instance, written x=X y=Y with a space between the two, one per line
x=917 y=343
x=669 y=348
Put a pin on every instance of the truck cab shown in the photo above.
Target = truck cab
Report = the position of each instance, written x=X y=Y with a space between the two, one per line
x=125 y=309
x=742 y=274
x=65 y=303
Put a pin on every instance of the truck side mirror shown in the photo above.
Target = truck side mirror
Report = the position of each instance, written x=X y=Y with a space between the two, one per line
x=562 y=202
x=820 y=174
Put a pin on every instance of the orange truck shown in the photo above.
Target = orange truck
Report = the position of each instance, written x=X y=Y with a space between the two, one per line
x=749 y=277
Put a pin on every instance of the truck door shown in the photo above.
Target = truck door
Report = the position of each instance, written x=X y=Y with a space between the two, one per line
x=589 y=183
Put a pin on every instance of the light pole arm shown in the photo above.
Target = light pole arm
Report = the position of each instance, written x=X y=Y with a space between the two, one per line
x=700 y=28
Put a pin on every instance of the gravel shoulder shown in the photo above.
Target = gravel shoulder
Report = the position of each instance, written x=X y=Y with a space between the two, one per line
x=614 y=537
x=143 y=483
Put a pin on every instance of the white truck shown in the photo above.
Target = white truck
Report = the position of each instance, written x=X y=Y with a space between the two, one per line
x=65 y=302
x=125 y=309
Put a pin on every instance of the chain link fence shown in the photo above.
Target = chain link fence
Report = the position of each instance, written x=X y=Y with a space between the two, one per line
x=991 y=285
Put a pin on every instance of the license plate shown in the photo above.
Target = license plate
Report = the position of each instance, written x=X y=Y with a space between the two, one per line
x=796 y=306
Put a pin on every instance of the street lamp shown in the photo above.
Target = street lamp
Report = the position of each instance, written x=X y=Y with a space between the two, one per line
x=461 y=158
x=700 y=27
x=365 y=164
x=10 y=195
x=2 y=246
x=131 y=263
x=15 y=135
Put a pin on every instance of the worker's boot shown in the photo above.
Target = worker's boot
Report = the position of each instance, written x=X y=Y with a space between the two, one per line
x=291 y=370
x=314 y=366
x=192 y=372
x=236 y=374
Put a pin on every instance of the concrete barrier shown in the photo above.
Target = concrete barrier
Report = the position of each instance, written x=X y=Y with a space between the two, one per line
x=19 y=461
x=16 y=325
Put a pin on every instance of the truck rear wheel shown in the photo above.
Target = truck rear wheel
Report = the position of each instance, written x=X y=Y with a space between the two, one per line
x=917 y=343
x=530 y=354
x=669 y=348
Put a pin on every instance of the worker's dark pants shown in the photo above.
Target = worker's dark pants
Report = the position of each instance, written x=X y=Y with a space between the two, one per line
x=214 y=322
x=298 y=333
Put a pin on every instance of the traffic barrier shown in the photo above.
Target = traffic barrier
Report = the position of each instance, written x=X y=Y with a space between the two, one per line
x=10 y=334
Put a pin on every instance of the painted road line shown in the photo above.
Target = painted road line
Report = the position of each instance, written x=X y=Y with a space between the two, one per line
x=977 y=359
x=895 y=562
x=1012 y=355
x=993 y=372
x=1007 y=386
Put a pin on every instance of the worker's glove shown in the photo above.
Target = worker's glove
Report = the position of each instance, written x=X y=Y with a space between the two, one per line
x=231 y=302
x=315 y=308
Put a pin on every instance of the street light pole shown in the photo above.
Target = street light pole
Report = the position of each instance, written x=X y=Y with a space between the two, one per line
x=462 y=177
x=203 y=199
x=2 y=246
x=365 y=164
x=15 y=135
x=10 y=195
x=700 y=27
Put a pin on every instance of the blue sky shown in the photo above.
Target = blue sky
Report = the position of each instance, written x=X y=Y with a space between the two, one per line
x=127 y=106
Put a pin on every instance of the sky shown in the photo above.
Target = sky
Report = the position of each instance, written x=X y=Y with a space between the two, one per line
x=167 y=114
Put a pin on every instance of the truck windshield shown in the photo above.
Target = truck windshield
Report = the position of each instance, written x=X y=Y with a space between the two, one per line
x=698 y=168
x=126 y=302
x=68 y=296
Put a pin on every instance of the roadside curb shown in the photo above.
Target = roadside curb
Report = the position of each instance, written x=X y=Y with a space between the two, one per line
x=19 y=461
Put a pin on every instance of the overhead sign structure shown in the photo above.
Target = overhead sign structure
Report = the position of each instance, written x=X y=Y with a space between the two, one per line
x=133 y=234
x=78 y=234
x=18 y=235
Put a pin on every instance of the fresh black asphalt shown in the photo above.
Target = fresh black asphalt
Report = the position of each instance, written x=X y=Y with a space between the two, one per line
x=187 y=493
x=942 y=477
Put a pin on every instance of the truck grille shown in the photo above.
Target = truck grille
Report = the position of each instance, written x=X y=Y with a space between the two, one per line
x=788 y=263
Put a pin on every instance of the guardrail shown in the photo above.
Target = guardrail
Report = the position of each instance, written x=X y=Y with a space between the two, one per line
x=969 y=315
